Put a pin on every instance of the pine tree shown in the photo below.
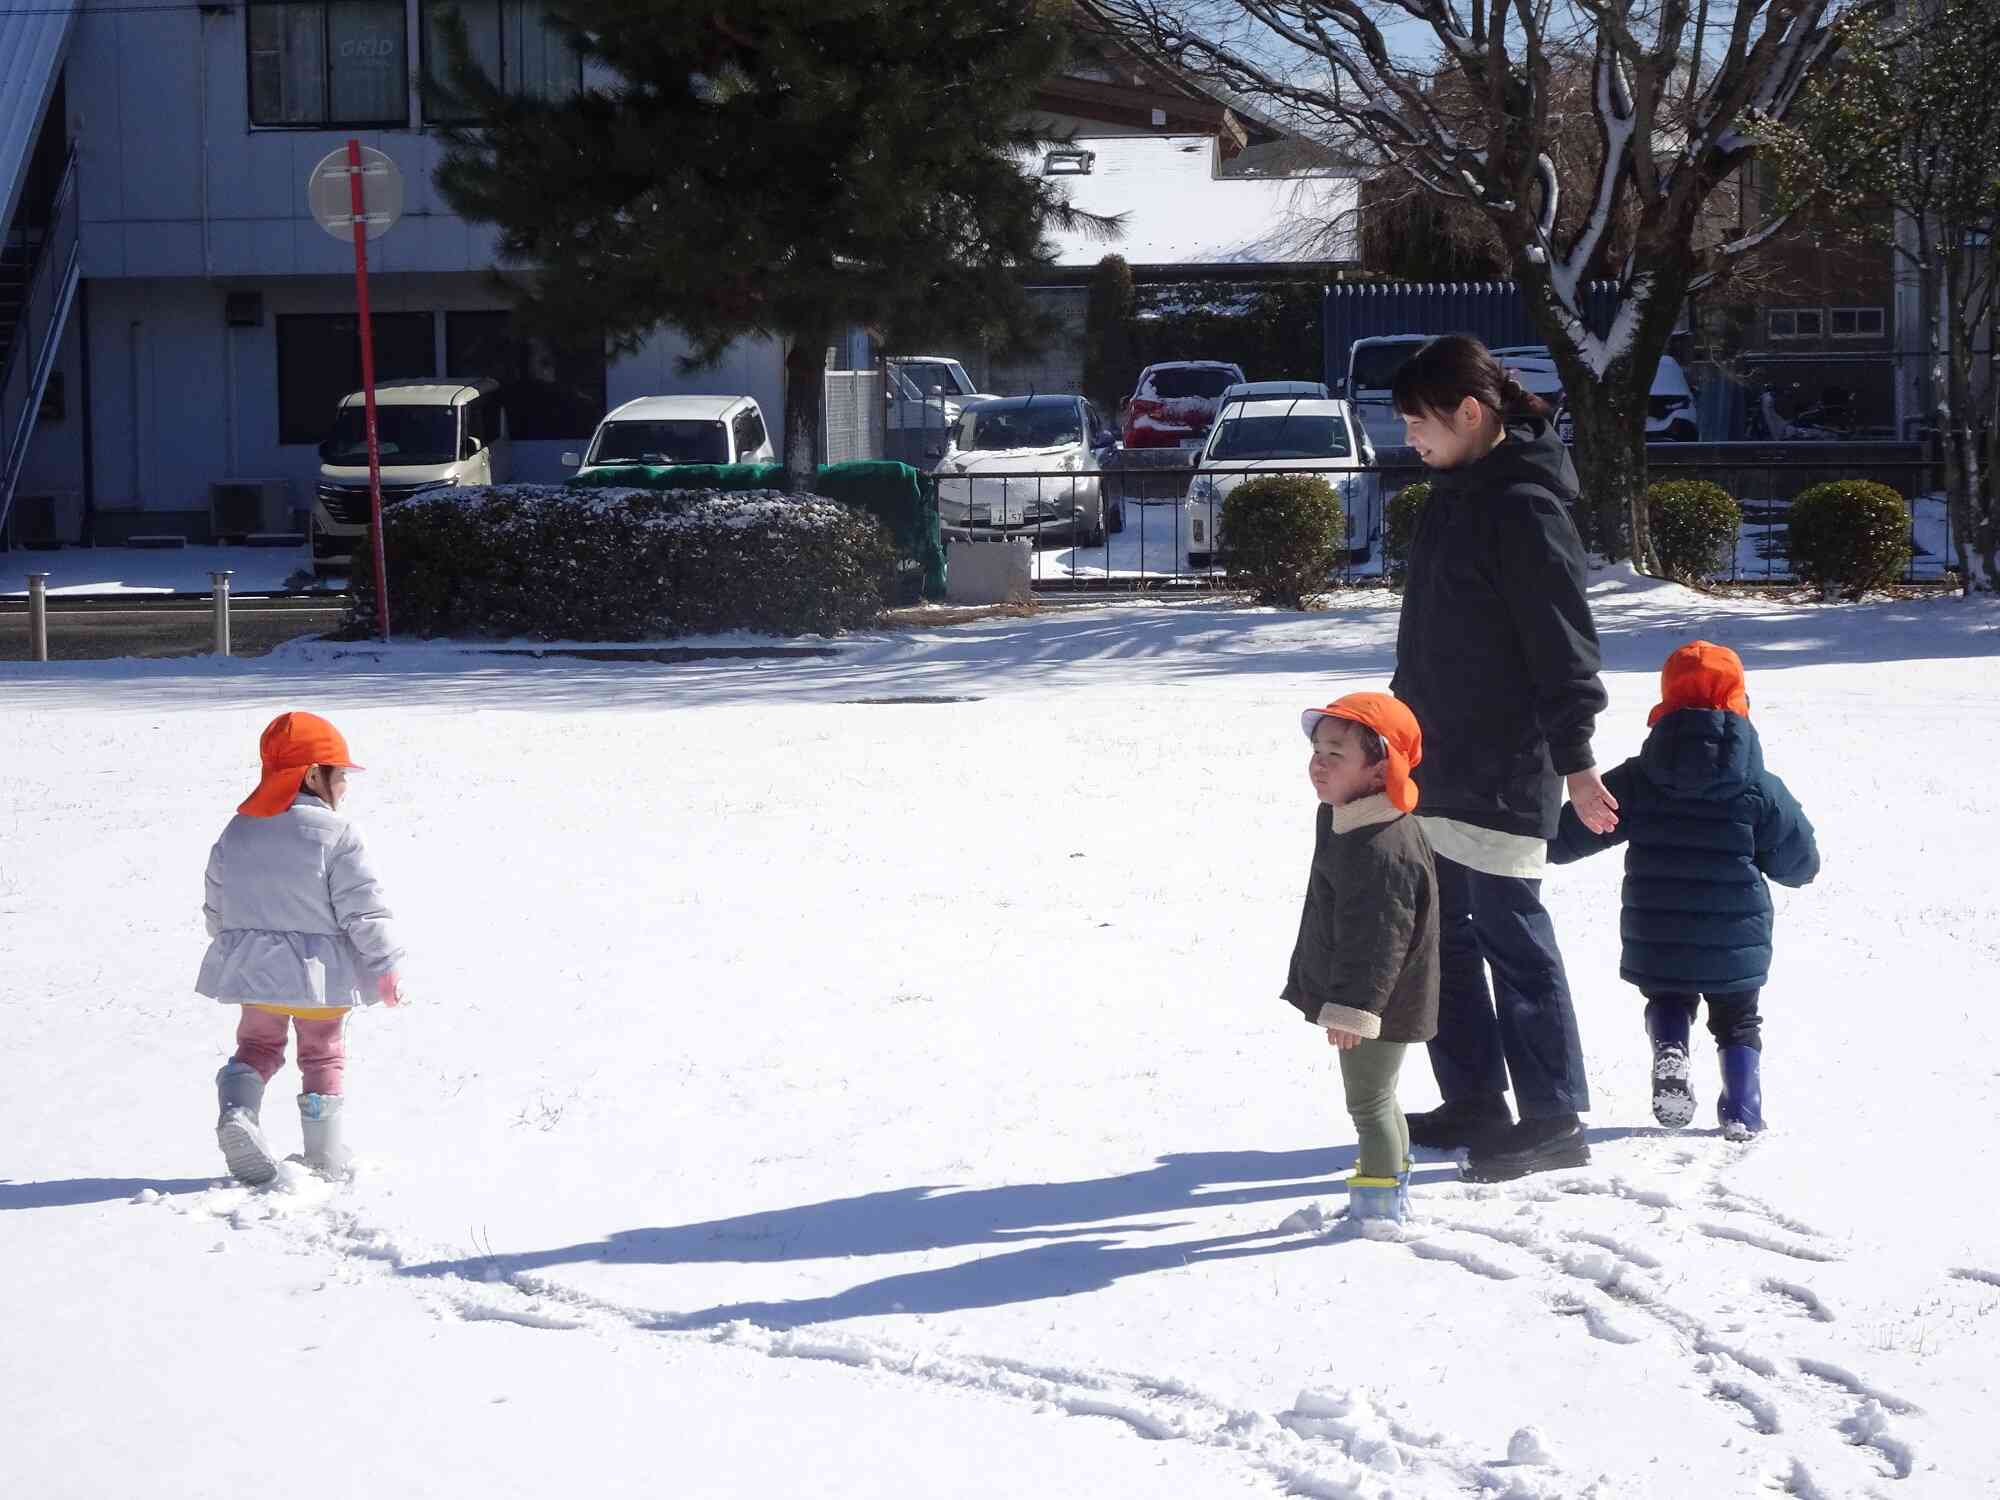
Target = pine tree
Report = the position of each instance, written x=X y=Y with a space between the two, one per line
x=789 y=168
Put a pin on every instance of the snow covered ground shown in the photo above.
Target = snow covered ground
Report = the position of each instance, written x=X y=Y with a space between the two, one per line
x=152 y=570
x=811 y=1093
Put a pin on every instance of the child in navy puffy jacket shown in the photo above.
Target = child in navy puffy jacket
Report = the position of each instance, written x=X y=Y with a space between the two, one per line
x=1706 y=825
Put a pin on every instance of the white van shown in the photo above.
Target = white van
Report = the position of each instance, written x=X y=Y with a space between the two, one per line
x=430 y=434
x=663 y=431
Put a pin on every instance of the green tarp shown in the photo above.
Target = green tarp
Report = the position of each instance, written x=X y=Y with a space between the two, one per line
x=903 y=499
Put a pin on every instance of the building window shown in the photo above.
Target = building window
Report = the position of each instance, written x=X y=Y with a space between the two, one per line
x=329 y=63
x=511 y=41
x=1856 y=322
x=1796 y=323
x=319 y=362
x=549 y=394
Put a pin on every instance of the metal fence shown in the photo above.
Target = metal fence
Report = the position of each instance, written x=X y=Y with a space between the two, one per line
x=1155 y=528
x=851 y=425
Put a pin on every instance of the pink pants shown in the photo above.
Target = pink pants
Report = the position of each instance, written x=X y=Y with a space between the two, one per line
x=260 y=1043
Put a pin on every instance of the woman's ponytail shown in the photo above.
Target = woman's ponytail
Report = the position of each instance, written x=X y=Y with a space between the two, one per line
x=1440 y=375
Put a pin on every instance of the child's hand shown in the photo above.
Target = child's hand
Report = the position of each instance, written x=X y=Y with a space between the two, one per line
x=1594 y=804
x=389 y=990
x=1346 y=1041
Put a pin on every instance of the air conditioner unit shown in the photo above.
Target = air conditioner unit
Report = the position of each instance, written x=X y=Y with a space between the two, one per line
x=239 y=509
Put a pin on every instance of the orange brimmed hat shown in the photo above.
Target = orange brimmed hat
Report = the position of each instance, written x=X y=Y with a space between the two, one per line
x=1391 y=719
x=292 y=744
x=1701 y=675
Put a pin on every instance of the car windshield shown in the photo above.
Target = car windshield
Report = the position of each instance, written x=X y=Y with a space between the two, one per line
x=678 y=442
x=1375 y=365
x=1179 y=382
x=986 y=431
x=1293 y=436
x=405 y=434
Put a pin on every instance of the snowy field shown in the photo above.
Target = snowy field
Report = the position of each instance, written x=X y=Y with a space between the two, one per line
x=809 y=1095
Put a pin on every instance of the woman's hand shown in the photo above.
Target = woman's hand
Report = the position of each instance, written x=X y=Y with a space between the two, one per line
x=1594 y=804
x=1346 y=1041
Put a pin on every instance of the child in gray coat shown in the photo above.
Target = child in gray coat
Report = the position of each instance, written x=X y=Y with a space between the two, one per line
x=299 y=935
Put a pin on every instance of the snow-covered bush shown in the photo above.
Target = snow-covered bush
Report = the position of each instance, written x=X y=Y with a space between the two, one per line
x=1400 y=525
x=616 y=564
x=1286 y=536
x=1694 y=525
x=1849 y=536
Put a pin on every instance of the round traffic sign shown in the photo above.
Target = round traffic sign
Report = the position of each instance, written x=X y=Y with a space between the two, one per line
x=330 y=191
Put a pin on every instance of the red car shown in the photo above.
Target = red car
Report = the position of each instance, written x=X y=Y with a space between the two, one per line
x=1175 y=403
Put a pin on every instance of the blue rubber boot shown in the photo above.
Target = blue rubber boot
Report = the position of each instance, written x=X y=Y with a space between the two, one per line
x=1403 y=1189
x=1374 y=1200
x=1741 y=1107
x=1673 y=1097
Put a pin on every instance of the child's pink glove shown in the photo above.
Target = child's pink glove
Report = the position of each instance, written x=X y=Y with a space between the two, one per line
x=389 y=989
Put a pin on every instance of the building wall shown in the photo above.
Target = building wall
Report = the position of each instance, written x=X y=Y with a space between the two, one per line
x=180 y=400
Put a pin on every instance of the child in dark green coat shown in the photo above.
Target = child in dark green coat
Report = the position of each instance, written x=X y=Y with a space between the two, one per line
x=1365 y=966
x=1706 y=825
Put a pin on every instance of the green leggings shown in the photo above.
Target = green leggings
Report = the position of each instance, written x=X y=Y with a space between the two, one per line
x=1368 y=1073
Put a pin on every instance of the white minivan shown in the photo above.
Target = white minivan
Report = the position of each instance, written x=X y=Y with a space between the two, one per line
x=668 y=430
x=430 y=434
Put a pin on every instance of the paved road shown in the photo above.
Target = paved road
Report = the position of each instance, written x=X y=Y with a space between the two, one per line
x=95 y=632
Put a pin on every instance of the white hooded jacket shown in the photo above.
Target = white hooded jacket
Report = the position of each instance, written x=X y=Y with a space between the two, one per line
x=295 y=912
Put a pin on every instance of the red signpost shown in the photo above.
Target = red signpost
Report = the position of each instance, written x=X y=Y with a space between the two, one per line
x=356 y=194
x=368 y=383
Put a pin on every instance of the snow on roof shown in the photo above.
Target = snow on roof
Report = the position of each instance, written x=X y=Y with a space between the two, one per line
x=1178 y=212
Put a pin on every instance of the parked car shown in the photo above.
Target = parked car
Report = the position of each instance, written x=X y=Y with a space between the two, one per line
x=1175 y=403
x=1282 y=436
x=667 y=430
x=1260 y=390
x=1372 y=364
x=430 y=434
x=926 y=394
x=1023 y=435
x=1670 y=413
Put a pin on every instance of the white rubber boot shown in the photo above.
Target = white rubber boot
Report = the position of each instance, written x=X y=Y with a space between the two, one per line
x=240 y=1094
x=320 y=1121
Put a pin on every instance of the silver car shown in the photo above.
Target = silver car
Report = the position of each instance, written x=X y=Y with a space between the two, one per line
x=1054 y=444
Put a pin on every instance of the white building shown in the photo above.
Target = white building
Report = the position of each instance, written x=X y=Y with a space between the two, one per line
x=211 y=326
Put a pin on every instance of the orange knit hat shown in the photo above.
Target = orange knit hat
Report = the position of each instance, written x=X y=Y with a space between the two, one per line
x=1391 y=719
x=291 y=745
x=1701 y=675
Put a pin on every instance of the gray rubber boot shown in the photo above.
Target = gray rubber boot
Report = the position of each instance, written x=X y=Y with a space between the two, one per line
x=326 y=1148
x=240 y=1094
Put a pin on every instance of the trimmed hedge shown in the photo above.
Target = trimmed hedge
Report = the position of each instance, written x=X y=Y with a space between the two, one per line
x=1849 y=536
x=619 y=565
x=1694 y=525
x=1399 y=525
x=1286 y=536
x=901 y=497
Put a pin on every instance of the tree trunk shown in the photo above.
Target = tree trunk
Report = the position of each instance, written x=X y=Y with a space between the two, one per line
x=805 y=389
x=1960 y=442
x=1610 y=455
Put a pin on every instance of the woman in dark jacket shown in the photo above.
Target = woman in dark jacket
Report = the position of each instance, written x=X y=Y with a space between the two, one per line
x=1497 y=656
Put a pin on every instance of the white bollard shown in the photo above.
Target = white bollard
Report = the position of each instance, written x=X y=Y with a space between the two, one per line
x=220 y=581
x=38 y=614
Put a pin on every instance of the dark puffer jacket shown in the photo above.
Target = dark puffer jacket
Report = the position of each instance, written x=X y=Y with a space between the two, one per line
x=1706 y=824
x=1366 y=959
x=1496 y=654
